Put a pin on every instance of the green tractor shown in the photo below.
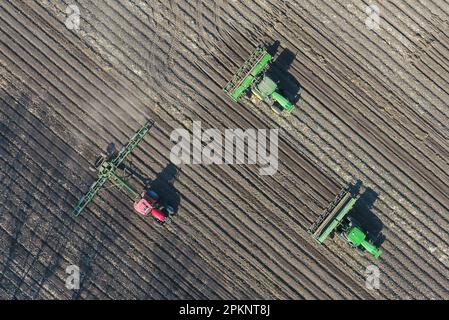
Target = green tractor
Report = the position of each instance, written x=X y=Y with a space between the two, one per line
x=336 y=219
x=252 y=77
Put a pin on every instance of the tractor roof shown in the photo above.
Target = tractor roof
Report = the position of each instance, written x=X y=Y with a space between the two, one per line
x=143 y=206
x=356 y=235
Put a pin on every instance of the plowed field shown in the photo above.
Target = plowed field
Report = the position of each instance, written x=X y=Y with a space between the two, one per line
x=371 y=108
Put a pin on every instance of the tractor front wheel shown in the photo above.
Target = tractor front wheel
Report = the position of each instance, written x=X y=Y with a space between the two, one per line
x=361 y=251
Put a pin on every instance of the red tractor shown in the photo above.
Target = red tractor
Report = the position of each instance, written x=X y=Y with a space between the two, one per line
x=149 y=204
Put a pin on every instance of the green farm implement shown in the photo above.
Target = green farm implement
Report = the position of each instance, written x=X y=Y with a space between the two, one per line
x=336 y=218
x=108 y=168
x=252 y=77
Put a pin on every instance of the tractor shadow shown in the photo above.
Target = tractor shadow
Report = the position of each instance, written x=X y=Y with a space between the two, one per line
x=163 y=185
x=289 y=86
x=362 y=212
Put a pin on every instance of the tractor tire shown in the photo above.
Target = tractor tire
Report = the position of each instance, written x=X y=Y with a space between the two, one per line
x=170 y=210
x=277 y=109
x=153 y=194
x=361 y=252
x=158 y=223
x=102 y=157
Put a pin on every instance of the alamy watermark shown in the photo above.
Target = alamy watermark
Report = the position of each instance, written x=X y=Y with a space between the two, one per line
x=73 y=20
x=372 y=274
x=72 y=282
x=234 y=146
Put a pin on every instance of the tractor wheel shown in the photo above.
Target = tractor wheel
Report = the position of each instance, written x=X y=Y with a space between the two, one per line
x=154 y=195
x=277 y=109
x=170 y=210
x=100 y=159
x=342 y=236
x=158 y=223
x=360 y=251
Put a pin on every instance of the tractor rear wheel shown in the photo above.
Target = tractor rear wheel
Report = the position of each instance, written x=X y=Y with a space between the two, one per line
x=276 y=108
x=170 y=210
x=361 y=251
x=97 y=162
x=100 y=159
x=159 y=223
x=154 y=195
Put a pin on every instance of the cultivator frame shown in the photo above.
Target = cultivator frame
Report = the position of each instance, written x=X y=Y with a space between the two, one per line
x=255 y=65
x=333 y=216
x=106 y=170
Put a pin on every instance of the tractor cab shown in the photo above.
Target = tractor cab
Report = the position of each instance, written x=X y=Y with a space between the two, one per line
x=266 y=90
x=358 y=239
x=356 y=236
x=149 y=205
x=143 y=206
x=353 y=233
